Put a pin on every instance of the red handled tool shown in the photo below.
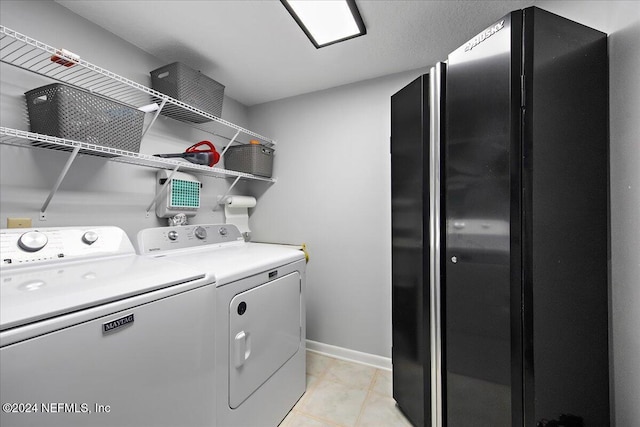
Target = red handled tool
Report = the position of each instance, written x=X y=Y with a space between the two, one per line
x=207 y=156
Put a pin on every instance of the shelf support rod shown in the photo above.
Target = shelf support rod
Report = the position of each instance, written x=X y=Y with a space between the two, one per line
x=162 y=190
x=155 y=116
x=229 y=145
x=222 y=199
x=54 y=190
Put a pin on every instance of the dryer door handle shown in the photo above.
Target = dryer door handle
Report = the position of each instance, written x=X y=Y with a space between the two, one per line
x=242 y=348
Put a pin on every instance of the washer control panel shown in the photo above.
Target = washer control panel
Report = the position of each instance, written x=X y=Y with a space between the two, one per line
x=160 y=239
x=27 y=246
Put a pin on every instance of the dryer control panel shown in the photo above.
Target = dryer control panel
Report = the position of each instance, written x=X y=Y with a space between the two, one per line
x=160 y=239
x=28 y=246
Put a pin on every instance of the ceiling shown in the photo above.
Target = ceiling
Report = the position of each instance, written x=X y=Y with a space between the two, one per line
x=260 y=54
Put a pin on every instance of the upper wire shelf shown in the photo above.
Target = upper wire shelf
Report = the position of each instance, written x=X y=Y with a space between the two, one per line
x=22 y=138
x=32 y=55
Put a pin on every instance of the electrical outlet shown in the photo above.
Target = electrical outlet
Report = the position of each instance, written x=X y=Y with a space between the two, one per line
x=18 y=222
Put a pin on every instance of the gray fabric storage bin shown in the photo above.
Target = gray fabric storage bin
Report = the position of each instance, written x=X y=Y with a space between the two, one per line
x=191 y=87
x=66 y=112
x=252 y=158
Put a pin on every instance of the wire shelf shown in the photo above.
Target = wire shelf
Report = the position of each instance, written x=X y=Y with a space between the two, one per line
x=22 y=138
x=32 y=55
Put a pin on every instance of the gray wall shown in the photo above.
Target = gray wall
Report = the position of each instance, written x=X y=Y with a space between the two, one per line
x=334 y=193
x=95 y=192
x=625 y=209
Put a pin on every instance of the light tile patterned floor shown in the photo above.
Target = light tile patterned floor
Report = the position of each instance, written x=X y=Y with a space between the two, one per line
x=345 y=394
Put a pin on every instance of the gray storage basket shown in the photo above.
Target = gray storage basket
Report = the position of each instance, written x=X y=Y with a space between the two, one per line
x=66 y=112
x=191 y=87
x=252 y=158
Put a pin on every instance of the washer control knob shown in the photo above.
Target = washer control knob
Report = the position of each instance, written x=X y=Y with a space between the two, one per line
x=173 y=235
x=32 y=241
x=90 y=237
x=201 y=233
x=222 y=231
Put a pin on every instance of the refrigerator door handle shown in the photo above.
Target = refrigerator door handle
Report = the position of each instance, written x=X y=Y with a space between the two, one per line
x=435 y=93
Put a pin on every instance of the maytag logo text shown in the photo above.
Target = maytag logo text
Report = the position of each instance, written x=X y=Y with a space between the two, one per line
x=118 y=323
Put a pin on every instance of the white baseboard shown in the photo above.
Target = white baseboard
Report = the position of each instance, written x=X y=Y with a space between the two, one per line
x=350 y=355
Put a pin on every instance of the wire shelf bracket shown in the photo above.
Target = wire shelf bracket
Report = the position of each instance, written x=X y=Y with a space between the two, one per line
x=56 y=186
x=222 y=199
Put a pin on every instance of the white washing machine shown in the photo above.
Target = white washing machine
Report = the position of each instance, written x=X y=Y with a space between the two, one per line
x=91 y=334
x=260 y=322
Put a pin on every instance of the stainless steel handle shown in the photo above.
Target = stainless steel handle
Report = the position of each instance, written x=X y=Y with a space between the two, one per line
x=435 y=94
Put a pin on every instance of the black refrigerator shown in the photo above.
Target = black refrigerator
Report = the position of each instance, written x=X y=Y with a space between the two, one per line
x=499 y=182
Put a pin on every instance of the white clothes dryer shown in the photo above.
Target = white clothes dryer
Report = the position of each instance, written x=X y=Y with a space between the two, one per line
x=260 y=317
x=92 y=334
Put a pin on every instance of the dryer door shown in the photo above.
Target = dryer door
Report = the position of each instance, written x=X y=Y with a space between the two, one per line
x=264 y=333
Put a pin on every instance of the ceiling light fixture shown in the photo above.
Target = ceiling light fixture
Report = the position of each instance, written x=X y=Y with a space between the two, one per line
x=326 y=22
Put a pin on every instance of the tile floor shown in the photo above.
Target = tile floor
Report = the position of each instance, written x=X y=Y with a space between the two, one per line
x=345 y=394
